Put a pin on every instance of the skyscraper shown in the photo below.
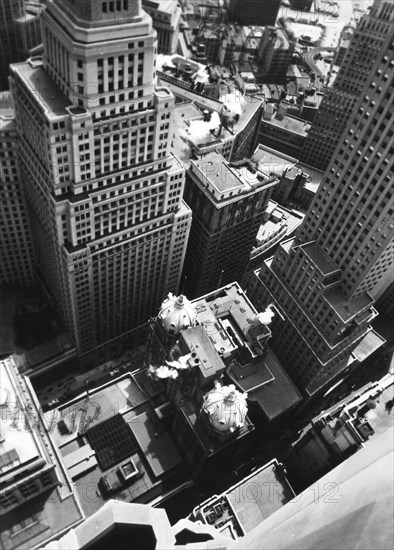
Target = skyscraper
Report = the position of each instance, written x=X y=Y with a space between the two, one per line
x=228 y=200
x=16 y=250
x=339 y=101
x=20 y=34
x=104 y=193
x=327 y=278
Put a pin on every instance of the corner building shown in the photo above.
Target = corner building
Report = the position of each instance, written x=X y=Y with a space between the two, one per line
x=105 y=194
x=228 y=200
x=327 y=279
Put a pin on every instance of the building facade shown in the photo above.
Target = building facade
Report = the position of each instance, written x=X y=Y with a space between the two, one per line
x=284 y=133
x=37 y=500
x=274 y=55
x=20 y=34
x=339 y=102
x=228 y=202
x=105 y=194
x=16 y=248
x=166 y=18
x=327 y=278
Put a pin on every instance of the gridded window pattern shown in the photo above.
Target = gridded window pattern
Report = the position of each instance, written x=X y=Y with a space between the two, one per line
x=112 y=440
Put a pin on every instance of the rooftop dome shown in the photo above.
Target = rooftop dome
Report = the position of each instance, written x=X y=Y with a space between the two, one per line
x=226 y=408
x=177 y=313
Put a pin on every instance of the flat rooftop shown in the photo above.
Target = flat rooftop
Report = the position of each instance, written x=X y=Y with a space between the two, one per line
x=290 y=124
x=225 y=180
x=226 y=301
x=245 y=505
x=159 y=450
x=268 y=384
x=321 y=260
x=89 y=410
x=268 y=491
x=348 y=308
x=197 y=340
x=368 y=345
x=50 y=97
x=112 y=428
x=271 y=161
x=279 y=215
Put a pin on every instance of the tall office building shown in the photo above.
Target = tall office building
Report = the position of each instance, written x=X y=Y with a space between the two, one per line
x=20 y=34
x=339 y=101
x=326 y=279
x=166 y=18
x=228 y=200
x=16 y=250
x=104 y=192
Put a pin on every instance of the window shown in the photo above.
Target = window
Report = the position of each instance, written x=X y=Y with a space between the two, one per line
x=24 y=524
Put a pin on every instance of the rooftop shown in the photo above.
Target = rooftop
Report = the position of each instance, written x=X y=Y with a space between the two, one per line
x=245 y=505
x=197 y=340
x=266 y=383
x=49 y=96
x=281 y=222
x=228 y=179
x=347 y=309
x=321 y=260
x=112 y=430
x=26 y=446
x=158 y=447
x=271 y=161
x=231 y=324
x=289 y=123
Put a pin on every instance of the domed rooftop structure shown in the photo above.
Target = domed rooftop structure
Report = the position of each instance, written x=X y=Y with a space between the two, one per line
x=176 y=314
x=226 y=408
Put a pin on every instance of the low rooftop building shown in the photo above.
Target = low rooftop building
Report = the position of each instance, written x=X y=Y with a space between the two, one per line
x=298 y=182
x=37 y=500
x=245 y=505
x=223 y=366
x=228 y=124
x=343 y=429
x=113 y=441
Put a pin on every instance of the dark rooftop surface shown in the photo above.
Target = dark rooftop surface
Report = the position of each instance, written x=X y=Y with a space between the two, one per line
x=112 y=440
x=273 y=389
x=155 y=443
x=319 y=258
x=88 y=411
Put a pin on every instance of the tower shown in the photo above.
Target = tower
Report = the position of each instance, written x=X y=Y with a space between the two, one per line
x=16 y=251
x=327 y=278
x=228 y=200
x=104 y=192
x=339 y=101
